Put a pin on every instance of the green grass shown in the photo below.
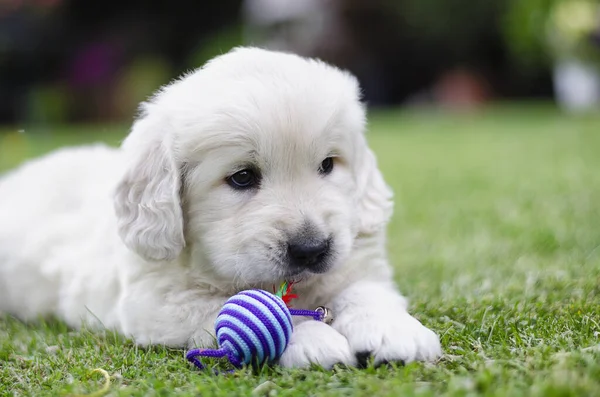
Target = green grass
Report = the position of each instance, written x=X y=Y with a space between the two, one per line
x=495 y=239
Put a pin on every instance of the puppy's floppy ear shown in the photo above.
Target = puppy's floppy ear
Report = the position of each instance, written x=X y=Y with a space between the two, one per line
x=147 y=200
x=375 y=205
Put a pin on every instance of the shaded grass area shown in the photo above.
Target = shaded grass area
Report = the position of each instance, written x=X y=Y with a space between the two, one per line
x=495 y=239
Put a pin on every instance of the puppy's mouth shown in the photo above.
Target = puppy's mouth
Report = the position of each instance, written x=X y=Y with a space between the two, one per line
x=297 y=274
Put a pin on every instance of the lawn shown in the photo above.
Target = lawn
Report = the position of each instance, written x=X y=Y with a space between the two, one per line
x=495 y=239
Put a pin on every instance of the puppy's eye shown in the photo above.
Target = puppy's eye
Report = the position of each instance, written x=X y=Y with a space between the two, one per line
x=326 y=166
x=244 y=179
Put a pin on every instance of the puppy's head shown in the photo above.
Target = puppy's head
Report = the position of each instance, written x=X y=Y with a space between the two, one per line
x=258 y=163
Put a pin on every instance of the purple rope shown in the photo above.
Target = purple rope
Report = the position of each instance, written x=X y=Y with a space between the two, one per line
x=307 y=313
x=192 y=354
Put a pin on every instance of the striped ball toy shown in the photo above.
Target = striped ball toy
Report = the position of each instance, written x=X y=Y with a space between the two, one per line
x=253 y=327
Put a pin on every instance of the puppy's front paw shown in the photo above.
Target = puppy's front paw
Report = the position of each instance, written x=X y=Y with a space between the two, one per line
x=388 y=336
x=314 y=342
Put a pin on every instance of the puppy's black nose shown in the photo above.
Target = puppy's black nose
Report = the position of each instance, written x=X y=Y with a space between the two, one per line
x=308 y=253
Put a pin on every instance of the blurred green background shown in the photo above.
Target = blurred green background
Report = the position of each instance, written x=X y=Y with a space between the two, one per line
x=65 y=61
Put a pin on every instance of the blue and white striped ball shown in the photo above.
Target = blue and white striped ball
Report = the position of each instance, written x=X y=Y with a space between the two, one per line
x=254 y=325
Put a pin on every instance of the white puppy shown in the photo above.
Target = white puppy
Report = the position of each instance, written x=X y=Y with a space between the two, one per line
x=249 y=171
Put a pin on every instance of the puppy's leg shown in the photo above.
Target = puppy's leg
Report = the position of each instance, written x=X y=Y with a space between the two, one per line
x=314 y=342
x=373 y=318
x=172 y=318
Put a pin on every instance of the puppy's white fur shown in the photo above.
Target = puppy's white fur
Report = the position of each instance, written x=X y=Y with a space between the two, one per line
x=149 y=239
